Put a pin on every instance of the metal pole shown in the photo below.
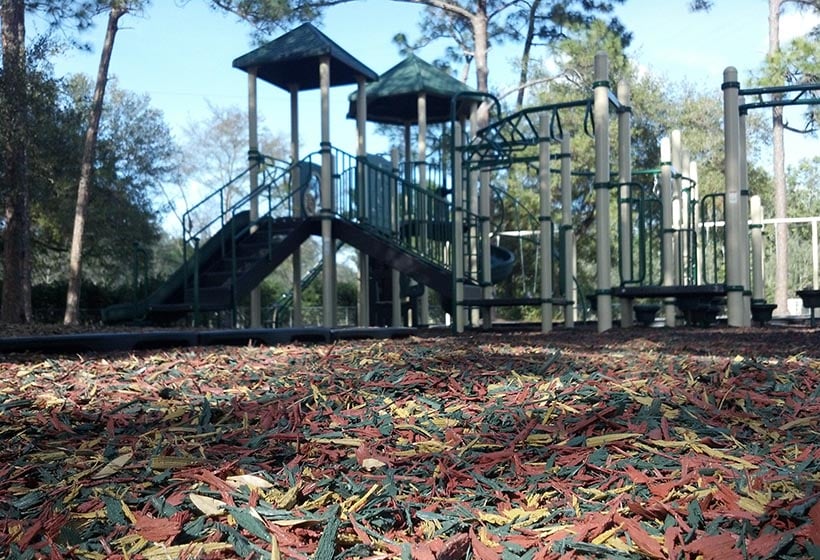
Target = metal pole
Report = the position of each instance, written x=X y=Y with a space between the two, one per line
x=677 y=210
x=568 y=265
x=486 y=260
x=602 y=234
x=815 y=254
x=471 y=205
x=624 y=203
x=299 y=211
x=364 y=202
x=395 y=275
x=458 y=230
x=744 y=219
x=410 y=210
x=667 y=248
x=253 y=156
x=545 y=222
x=734 y=226
x=685 y=222
x=758 y=287
x=425 y=214
x=700 y=257
x=328 y=246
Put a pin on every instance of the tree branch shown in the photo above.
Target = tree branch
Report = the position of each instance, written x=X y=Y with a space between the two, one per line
x=442 y=5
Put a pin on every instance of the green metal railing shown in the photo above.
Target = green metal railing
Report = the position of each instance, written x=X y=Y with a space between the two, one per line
x=713 y=238
x=507 y=140
x=366 y=192
x=646 y=227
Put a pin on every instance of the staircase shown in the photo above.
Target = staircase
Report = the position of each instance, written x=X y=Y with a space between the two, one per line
x=375 y=211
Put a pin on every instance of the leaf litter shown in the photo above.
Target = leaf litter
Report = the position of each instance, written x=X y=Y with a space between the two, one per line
x=629 y=444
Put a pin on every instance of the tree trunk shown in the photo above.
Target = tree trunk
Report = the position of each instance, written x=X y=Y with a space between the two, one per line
x=16 y=297
x=779 y=175
x=87 y=170
x=482 y=70
x=525 y=55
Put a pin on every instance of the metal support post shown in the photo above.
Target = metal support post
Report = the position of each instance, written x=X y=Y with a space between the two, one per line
x=734 y=225
x=545 y=222
x=458 y=230
x=327 y=203
x=624 y=196
x=602 y=234
x=568 y=264
x=667 y=247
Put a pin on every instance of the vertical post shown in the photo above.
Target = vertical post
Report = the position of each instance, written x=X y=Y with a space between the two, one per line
x=395 y=275
x=363 y=199
x=486 y=260
x=458 y=229
x=568 y=264
x=624 y=195
x=734 y=227
x=410 y=210
x=815 y=255
x=602 y=234
x=471 y=205
x=299 y=211
x=545 y=222
x=327 y=202
x=758 y=286
x=253 y=157
x=685 y=222
x=676 y=205
x=699 y=256
x=667 y=246
x=744 y=218
x=425 y=213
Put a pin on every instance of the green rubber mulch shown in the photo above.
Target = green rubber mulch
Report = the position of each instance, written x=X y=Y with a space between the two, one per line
x=640 y=443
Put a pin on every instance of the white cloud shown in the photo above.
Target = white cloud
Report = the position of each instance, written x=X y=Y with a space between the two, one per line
x=797 y=24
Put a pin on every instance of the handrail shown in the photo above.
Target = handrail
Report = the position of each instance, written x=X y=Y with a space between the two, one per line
x=265 y=163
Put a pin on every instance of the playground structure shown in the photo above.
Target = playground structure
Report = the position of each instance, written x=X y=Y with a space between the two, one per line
x=419 y=227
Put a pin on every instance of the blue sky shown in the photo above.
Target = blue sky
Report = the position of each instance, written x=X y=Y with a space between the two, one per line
x=180 y=54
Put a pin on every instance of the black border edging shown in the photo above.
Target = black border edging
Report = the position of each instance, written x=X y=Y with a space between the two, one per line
x=156 y=340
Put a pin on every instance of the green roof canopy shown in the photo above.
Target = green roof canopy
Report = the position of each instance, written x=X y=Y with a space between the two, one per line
x=393 y=99
x=294 y=58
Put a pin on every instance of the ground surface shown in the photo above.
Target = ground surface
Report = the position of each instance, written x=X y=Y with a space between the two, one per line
x=638 y=443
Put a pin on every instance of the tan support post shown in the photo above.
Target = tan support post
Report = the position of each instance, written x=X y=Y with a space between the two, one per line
x=668 y=241
x=458 y=229
x=602 y=233
x=253 y=153
x=568 y=266
x=744 y=219
x=364 y=203
x=734 y=227
x=486 y=260
x=424 y=300
x=545 y=222
x=327 y=201
x=624 y=196
x=395 y=275
x=296 y=182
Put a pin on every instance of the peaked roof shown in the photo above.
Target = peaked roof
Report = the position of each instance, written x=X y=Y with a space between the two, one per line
x=293 y=58
x=393 y=99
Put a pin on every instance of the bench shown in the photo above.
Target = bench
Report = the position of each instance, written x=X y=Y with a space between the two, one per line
x=699 y=304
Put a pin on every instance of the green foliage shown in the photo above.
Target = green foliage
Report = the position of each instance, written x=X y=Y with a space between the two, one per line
x=272 y=16
x=797 y=62
x=49 y=300
x=135 y=155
